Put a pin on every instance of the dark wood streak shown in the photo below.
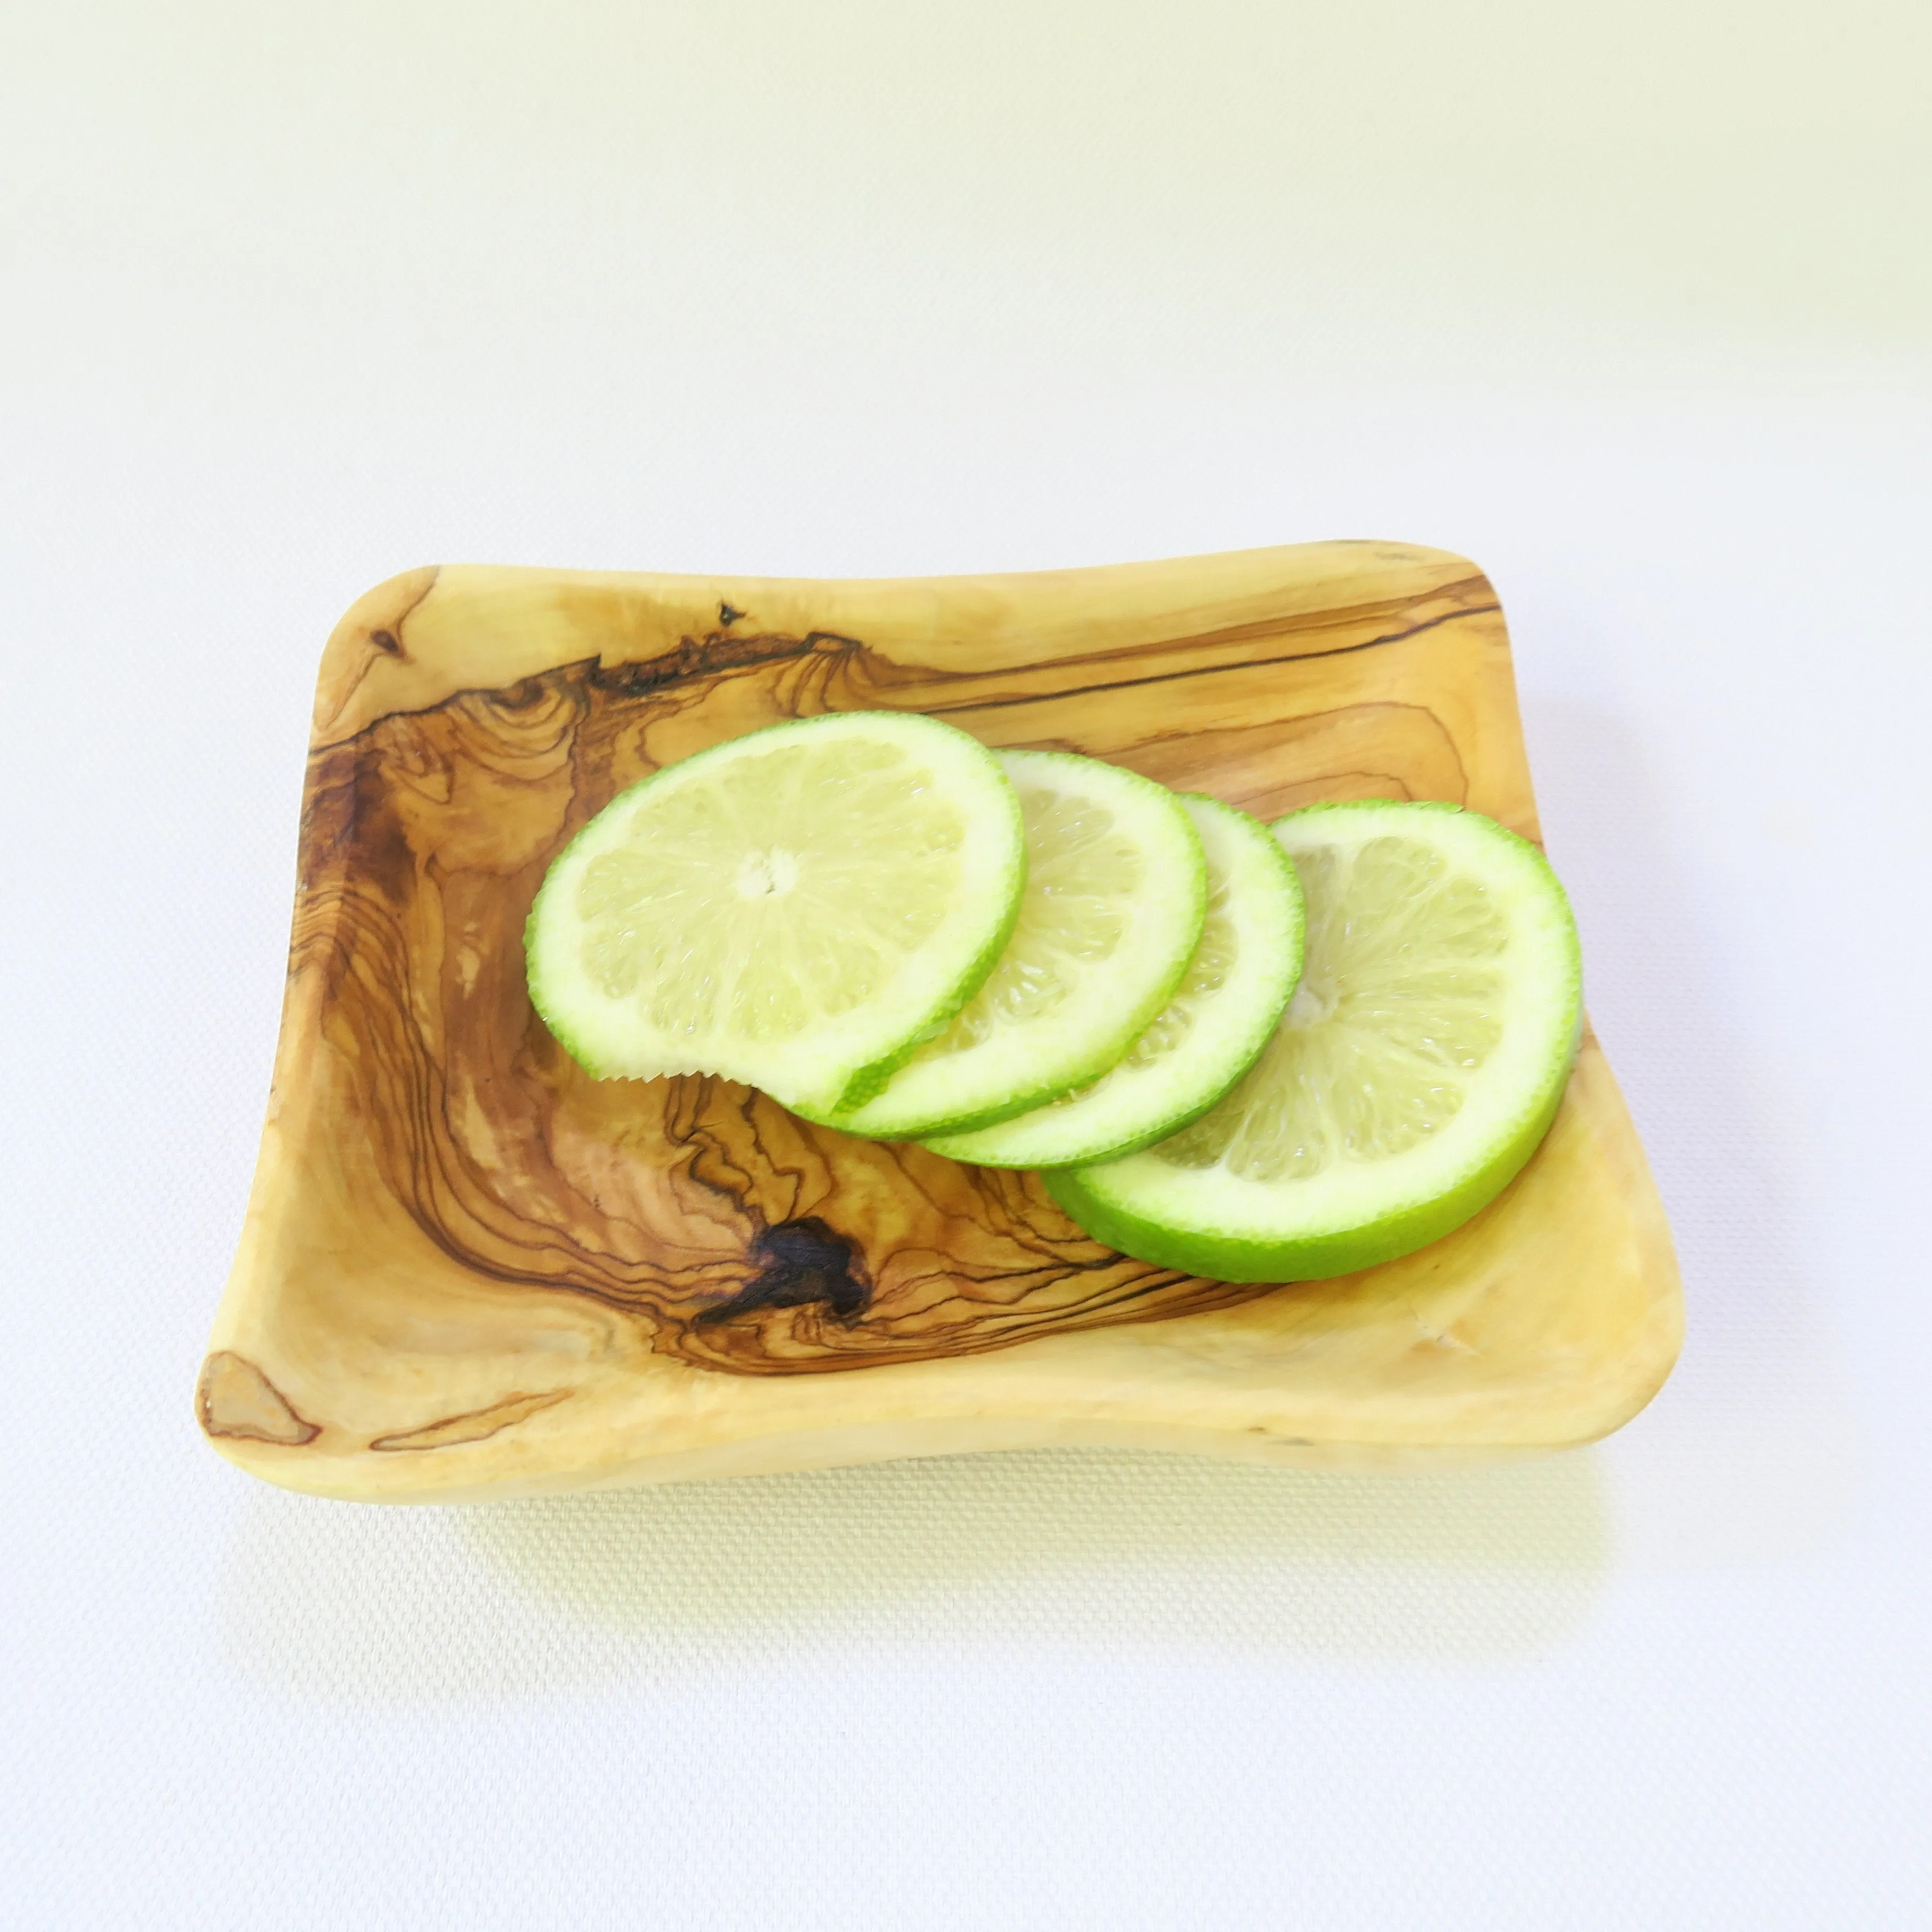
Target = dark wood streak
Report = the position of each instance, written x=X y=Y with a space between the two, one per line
x=734 y=1235
x=1241 y=633
x=476 y=1425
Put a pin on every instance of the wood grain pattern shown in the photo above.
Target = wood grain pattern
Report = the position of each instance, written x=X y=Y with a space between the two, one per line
x=458 y=1242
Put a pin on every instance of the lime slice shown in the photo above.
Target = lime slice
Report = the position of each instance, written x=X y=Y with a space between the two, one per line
x=1203 y=1040
x=796 y=909
x=1419 y=1064
x=1115 y=894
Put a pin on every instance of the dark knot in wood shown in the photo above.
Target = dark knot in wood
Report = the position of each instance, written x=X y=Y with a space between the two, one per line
x=800 y=1262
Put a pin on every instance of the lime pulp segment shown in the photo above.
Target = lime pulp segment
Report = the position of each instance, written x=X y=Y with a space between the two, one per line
x=1115 y=897
x=1418 y=1066
x=1206 y=1037
x=796 y=908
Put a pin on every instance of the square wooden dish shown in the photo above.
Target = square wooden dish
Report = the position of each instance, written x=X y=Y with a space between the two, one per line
x=467 y=1270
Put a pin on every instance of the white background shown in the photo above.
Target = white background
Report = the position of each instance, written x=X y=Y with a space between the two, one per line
x=1632 y=303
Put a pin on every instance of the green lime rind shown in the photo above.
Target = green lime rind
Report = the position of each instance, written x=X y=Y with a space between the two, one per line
x=1217 y=1257
x=1222 y=1015
x=856 y=1048
x=1351 y=1215
x=1015 y=1047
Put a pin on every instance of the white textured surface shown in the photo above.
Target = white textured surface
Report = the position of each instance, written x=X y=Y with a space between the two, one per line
x=1634 y=305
